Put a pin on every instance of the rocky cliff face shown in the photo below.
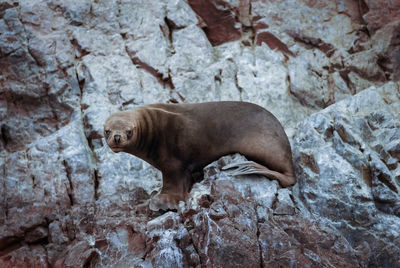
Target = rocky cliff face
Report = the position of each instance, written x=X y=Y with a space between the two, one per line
x=327 y=69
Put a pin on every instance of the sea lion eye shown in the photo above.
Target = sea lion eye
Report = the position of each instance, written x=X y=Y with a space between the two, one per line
x=107 y=132
x=129 y=133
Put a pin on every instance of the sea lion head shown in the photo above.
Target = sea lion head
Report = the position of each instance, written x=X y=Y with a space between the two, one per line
x=120 y=132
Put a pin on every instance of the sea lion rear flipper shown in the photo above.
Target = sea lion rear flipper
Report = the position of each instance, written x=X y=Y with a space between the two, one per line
x=250 y=167
x=242 y=168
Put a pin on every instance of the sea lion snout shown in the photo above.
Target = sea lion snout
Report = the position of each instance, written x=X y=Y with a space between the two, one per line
x=117 y=138
x=120 y=132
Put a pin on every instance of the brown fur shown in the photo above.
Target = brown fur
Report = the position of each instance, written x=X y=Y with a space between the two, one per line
x=181 y=139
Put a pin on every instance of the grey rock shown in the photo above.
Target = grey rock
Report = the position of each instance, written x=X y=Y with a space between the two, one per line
x=180 y=14
x=56 y=234
x=354 y=189
x=284 y=205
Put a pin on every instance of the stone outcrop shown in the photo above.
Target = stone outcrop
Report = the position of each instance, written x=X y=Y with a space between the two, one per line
x=349 y=169
x=329 y=71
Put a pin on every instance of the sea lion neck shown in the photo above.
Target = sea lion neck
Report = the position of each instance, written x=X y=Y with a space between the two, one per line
x=138 y=132
x=146 y=142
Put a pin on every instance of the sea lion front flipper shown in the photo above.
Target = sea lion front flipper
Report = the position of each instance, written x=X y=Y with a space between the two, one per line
x=175 y=189
x=164 y=202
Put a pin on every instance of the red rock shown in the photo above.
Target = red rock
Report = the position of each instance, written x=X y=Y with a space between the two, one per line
x=302 y=243
x=80 y=254
x=381 y=13
x=354 y=9
x=25 y=256
x=36 y=234
x=220 y=22
x=273 y=43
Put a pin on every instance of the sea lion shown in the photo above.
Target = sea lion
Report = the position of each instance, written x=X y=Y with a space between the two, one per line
x=181 y=139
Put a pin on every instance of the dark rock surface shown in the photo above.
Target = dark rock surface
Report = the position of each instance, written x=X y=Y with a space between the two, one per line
x=329 y=71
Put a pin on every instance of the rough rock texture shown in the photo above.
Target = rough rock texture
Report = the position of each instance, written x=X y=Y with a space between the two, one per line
x=349 y=172
x=329 y=71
